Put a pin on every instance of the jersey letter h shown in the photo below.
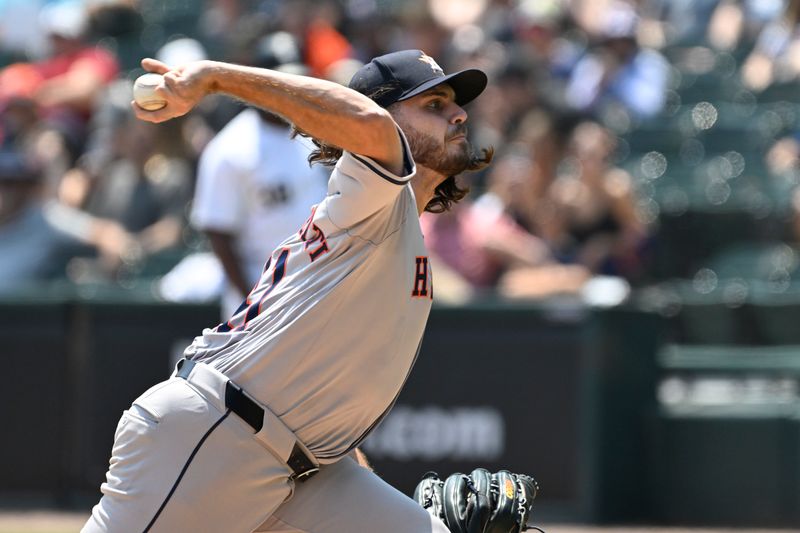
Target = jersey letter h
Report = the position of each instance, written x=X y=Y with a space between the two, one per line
x=421 y=289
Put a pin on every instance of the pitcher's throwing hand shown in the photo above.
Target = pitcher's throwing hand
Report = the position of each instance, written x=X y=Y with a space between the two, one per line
x=182 y=88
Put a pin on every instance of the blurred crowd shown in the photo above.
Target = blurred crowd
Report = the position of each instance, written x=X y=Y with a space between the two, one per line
x=89 y=195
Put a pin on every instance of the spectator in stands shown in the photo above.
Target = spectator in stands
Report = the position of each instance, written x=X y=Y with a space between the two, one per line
x=595 y=221
x=784 y=155
x=503 y=105
x=38 y=236
x=23 y=129
x=776 y=55
x=76 y=70
x=734 y=24
x=148 y=188
x=141 y=180
x=782 y=161
x=324 y=44
x=65 y=85
x=475 y=245
x=521 y=176
x=725 y=25
x=255 y=185
x=619 y=71
x=120 y=24
x=19 y=120
x=476 y=249
x=550 y=50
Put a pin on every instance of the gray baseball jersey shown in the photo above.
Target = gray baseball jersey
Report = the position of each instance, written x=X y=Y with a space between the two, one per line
x=327 y=337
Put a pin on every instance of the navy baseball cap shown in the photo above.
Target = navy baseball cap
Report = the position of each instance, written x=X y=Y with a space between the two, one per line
x=411 y=72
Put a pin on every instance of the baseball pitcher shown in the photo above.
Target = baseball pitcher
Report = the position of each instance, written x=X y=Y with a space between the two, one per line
x=274 y=400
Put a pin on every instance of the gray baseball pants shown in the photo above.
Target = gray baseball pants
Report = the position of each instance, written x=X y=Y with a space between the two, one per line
x=183 y=462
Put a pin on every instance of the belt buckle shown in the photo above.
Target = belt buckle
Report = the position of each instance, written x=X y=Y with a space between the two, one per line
x=305 y=475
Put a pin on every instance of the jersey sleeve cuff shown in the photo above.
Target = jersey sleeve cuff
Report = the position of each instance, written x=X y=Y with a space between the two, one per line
x=409 y=167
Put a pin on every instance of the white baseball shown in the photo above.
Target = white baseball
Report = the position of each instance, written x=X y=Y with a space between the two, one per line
x=144 y=92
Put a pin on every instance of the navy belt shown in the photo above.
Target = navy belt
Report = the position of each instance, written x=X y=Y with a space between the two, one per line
x=244 y=407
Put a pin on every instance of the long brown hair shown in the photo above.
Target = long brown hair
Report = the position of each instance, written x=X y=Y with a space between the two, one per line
x=445 y=194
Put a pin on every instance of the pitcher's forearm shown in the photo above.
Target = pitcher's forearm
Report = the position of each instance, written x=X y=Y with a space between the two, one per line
x=325 y=110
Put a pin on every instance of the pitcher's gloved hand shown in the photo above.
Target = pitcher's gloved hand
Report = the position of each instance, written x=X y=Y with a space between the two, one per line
x=480 y=502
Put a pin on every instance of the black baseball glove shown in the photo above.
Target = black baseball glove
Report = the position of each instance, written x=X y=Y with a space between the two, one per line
x=480 y=502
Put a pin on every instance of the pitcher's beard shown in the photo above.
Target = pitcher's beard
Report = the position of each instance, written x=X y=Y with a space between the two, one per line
x=447 y=160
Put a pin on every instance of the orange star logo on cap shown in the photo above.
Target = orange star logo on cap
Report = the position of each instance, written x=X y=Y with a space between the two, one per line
x=425 y=58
